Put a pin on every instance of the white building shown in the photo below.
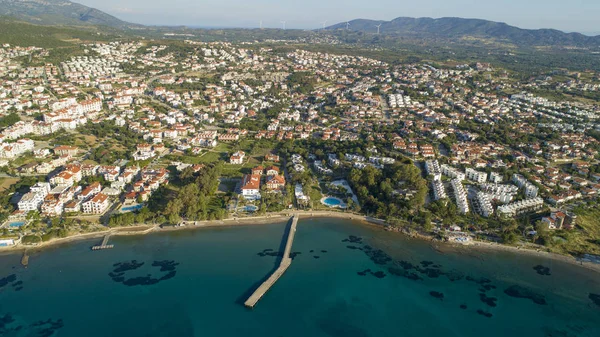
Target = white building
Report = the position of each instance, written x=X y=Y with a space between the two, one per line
x=531 y=191
x=251 y=187
x=452 y=173
x=495 y=177
x=97 y=205
x=433 y=169
x=476 y=176
x=439 y=191
x=461 y=196
x=485 y=205
x=520 y=207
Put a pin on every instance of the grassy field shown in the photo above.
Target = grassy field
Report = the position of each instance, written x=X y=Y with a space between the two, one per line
x=5 y=183
x=585 y=239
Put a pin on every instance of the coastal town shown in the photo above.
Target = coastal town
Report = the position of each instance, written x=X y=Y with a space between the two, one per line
x=170 y=132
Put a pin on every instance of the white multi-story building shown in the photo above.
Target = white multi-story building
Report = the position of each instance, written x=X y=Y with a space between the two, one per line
x=476 y=176
x=531 y=191
x=433 y=168
x=31 y=201
x=519 y=180
x=461 y=196
x=251 y=187
x=495 y=177
x=452 y=173
x=485 y=205
x=520 y=207
x=439 y=191
x=501 y=193
x=97 y=205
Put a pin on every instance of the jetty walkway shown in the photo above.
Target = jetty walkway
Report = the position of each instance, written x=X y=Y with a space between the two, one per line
x=286 y=261
x=104 y=244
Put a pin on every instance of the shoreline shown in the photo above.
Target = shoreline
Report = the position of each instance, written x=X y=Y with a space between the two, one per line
x=142 y=229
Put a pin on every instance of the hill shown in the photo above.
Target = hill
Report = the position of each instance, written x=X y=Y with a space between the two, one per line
x=459 y=28
x=58 y=12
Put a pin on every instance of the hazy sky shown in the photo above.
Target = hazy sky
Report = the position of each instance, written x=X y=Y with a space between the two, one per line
x=566 y=15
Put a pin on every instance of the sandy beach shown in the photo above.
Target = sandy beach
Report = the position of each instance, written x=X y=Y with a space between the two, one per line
x=144 y=229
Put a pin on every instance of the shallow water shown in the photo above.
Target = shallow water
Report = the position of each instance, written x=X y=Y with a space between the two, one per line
x=333 y=288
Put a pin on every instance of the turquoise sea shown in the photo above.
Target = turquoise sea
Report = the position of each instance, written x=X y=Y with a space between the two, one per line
x=357 y=281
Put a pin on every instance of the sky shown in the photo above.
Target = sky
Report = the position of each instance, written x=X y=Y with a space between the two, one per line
x=566 y=15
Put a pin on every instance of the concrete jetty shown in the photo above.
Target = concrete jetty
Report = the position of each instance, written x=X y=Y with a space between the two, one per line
x=104 y=244
x=286 y=261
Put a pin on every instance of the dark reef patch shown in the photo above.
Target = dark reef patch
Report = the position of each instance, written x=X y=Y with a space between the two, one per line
x=490 y=301
x=484 y=313
x=364 y=272
x=270 y=252
x=595 y=298
x=437 y=294
x=404 y=273
x=378 y=274
x=122 y=267
x=522 y=292
x=353 y=239
x=118 y=274
x=316 y=257
x=378 y=256
x=165 y=265
x=8 y=279
x=463 y=306
x=544 y=271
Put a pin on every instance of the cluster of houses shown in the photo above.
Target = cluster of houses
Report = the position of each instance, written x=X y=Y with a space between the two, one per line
x=251 y=183
x=64 y=193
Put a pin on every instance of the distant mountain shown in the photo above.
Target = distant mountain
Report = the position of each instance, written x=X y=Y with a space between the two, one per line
x=58 y=12
x=453 y=28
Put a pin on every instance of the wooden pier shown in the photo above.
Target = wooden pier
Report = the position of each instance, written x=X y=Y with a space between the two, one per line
x=104 y=244
x=286 y=261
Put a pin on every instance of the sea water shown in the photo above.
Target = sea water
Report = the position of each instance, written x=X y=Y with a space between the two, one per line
x=346 y=279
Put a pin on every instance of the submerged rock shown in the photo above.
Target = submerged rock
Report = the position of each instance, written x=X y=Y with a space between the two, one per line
x=404 y=273
x=127 y=266
x=364 y=272
x=544 y=271
x=595 y=298
x=463 y=306
x=378 y=274
x=8 y=279
x=484 y=313
x=437 y=294
x=490 y=301
x=165 y=265
x=522 y=292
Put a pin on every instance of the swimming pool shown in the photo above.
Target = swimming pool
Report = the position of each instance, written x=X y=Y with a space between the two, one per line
x=332 y=202
x=16 y=224
x=251 y=208
x=132 y=208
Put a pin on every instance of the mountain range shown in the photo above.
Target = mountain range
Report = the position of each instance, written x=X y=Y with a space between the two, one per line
x=458 y=28
x=64 y=12
x=58 y=12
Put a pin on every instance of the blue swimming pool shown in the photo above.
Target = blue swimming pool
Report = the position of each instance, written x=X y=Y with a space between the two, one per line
x=251 y=208
x=332 y=202
x=16 y=224
x=132 y=208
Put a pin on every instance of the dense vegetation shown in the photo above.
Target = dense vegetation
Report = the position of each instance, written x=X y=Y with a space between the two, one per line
x=9 y=120
x=383 y=193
